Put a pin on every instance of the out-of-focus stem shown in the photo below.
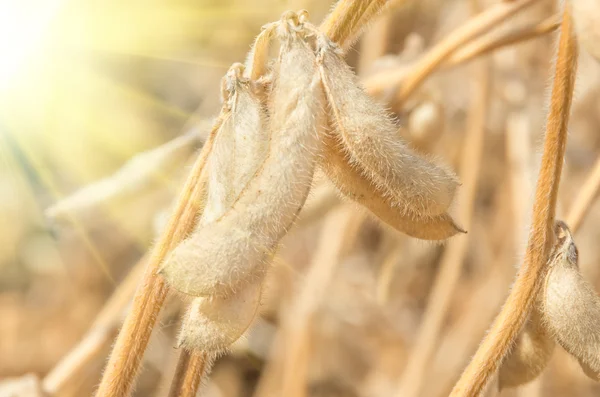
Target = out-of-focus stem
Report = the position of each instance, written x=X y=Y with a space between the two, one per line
x=97 y=339
x=437 y=55
x=453 y=259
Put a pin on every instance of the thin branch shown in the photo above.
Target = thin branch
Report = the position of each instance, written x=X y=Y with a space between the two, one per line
x=452 y=262
x=486 y=44
x=509 y=322
x=429 y=63
x=484 y=22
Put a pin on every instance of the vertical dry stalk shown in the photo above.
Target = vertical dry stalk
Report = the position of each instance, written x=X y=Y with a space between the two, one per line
x=188 y=375
x=452 y=261
x=514 y=313
x=133 y=338
x=485 y=45
x=478 y=25
x=584 y=199
x=337 y=236
x=98 y=338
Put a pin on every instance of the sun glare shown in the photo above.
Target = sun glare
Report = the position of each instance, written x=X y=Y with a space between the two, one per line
x=23 y=28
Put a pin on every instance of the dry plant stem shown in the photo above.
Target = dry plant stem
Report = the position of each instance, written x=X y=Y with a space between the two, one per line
x=98 y=338
x=337 y=236
x=485 y=45
x=452 y=261
x=347 y=18
x=509 y=322
x=188 y=375
x=440 y=52
x=133 y=338
x=584 y=199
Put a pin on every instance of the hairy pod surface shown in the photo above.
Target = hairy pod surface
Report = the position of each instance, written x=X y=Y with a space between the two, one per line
x=571 y=306
x=353 y=183
x=530 y=355
x=236 y=247
x=240 y=147
x=212 y=324
x=586 y=16
x=370 y=137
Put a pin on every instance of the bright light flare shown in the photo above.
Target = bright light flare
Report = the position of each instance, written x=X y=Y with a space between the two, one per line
x=24 y=26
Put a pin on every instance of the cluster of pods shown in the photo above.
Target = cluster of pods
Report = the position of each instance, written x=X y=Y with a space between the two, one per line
x=282 y=119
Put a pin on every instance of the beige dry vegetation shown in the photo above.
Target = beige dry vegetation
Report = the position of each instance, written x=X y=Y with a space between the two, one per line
x=386 y=232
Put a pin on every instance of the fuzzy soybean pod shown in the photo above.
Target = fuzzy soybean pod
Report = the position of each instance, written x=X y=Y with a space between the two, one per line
x=236 y=248
x=586 y=15
x=352 y=183
x=370 y=138
x=572 y=307
x=530 y=355
x=214 y=323
x=240 y=147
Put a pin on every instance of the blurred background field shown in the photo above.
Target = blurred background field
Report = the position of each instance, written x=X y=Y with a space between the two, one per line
x=87 y=85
